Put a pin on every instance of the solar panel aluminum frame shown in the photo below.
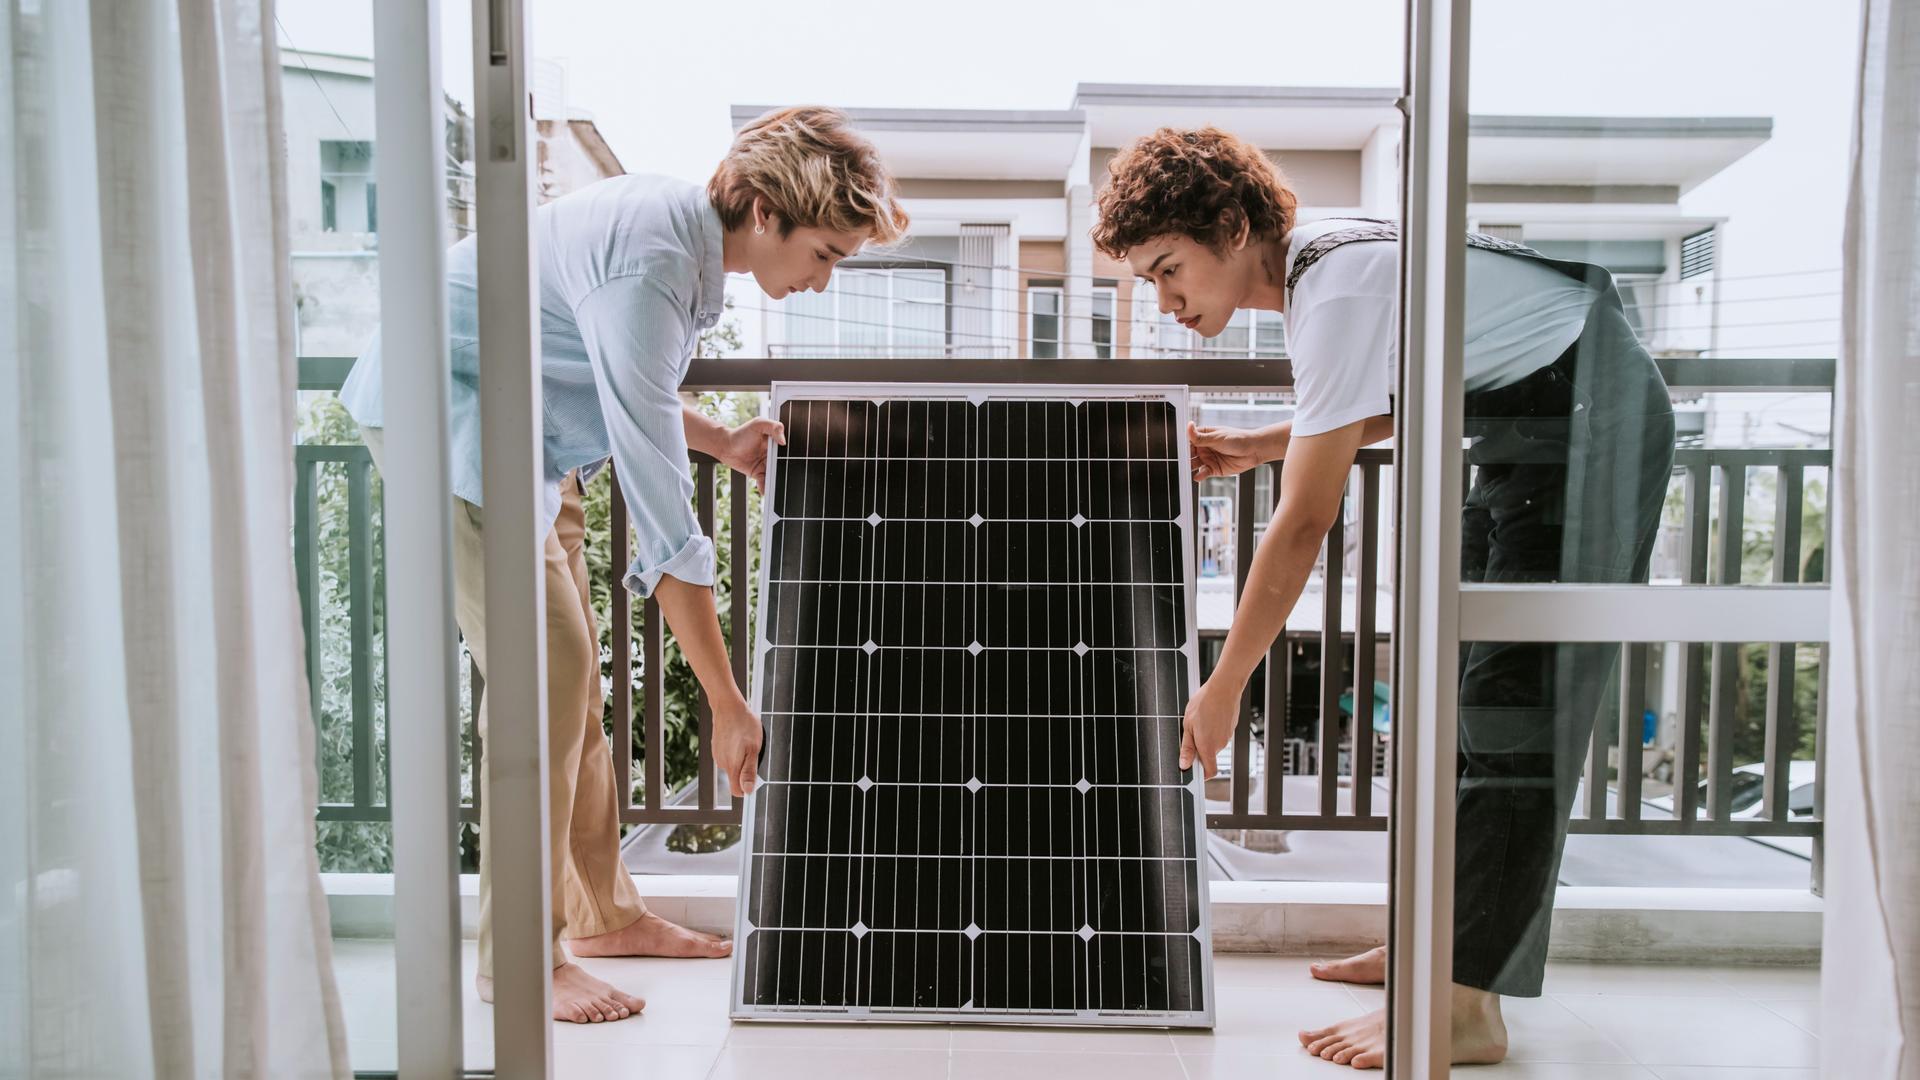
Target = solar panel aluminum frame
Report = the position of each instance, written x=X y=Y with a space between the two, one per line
x=976 y=394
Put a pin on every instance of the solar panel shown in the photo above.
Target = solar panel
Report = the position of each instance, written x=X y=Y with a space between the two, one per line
x=975 y=646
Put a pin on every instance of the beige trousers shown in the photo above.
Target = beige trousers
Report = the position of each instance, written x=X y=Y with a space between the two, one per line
x=592 y=891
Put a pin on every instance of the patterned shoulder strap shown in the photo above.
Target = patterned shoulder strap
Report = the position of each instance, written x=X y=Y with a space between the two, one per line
x=1379 y=229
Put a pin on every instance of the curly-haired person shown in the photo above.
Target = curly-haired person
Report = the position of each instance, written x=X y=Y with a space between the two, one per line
x=1571 y=432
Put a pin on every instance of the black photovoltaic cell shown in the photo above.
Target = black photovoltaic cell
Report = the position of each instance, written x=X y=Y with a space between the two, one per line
x=976 y=659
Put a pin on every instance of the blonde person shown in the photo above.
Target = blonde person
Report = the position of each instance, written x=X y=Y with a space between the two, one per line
x=1572 y=433
x=631 y=270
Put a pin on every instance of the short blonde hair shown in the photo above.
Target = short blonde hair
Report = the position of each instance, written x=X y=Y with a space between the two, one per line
x=813 y=170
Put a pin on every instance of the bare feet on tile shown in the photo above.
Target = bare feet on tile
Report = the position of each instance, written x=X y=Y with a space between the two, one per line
x=579 y=998
x=651 y=935
x=1479 y=1034
x=1369 y=967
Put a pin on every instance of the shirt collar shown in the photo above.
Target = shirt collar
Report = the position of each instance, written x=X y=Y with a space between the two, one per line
x=712 y=287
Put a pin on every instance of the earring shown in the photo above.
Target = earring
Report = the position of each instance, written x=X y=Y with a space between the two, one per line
x=759 y=230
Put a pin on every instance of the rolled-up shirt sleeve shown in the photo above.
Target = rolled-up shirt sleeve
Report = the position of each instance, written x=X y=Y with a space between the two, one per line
x=637 y=335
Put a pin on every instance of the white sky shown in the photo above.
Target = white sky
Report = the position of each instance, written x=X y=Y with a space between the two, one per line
x=659 y=79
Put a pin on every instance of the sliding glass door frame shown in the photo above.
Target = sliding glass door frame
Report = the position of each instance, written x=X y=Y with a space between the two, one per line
x=422 y=644
x=422 y=641
x=1427 y=423
x=1435 y=613
x=510 y=433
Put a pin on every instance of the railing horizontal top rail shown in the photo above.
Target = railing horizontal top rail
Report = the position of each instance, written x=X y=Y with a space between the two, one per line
x=1763 y=457
x=1683 y=375
x=1210 y=374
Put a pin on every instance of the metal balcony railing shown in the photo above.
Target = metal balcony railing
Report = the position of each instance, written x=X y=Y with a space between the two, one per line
x=1341 y=745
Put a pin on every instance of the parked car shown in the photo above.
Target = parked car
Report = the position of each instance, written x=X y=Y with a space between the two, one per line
x=1749 y=790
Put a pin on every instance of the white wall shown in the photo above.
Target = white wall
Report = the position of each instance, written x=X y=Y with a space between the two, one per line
x=311 y=101
x=336 y=276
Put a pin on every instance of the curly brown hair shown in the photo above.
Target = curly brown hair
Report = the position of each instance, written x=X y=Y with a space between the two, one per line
x=1199 y=182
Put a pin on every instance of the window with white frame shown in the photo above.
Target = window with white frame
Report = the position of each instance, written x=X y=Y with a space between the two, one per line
x=348 y=196
x=1044 y=322
x=1104 y=299
x=868 y=311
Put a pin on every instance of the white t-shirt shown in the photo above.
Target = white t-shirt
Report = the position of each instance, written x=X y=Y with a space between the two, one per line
x=1343 y=325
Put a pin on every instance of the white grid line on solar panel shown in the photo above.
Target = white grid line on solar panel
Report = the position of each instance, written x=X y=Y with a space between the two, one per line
x=968 y=648
x=969 y=784
x=1069 y=459
x=931 y=1015
x=980 y=715
x=998 y=520
x=984 y=931
x=979 y=1015
x=806 y=870
x=1076 y=568
x=899 y=763
x=947 y=584
x=1114 y=616
x=1077 y=857
x=871 y=689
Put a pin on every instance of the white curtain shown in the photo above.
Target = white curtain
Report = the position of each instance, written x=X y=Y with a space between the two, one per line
x=161 y=912
x=1872 y=965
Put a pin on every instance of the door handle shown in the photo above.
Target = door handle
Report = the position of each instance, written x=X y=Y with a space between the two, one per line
x=505 y=127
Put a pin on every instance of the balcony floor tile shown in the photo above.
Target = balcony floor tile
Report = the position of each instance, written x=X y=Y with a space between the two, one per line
x=1597 y=1022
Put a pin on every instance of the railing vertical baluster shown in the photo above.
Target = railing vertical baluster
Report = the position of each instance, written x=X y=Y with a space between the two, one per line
x=1783 y=730
x=360 y=620
x=704 y=498
x=740 y=581
x=1633 y=707
x=654 y=708
x=1820 y=772
x=740 y=575
x=1274 y=739
x=306 y=558
x=620 y=641
x=478 y=683
x=1241 y=782
x=1723 y=693
x=1686 y=771
x=1279 y=669
x=1332 y=662
x=1596 y=772
x=1363 y=643
x=386 y=656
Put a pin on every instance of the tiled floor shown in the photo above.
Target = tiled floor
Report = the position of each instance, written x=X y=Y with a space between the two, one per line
x=1597 y=1022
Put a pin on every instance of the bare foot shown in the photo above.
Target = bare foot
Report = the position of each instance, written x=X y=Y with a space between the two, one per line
x=578 y=997
x=1360 y=1042
x=1479 y=1031
x=1479 y=1034
x=651 y=935
x=1369 y=967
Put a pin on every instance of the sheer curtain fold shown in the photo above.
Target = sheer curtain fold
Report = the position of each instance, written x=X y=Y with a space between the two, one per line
x=1871 y=991
x=162 y=913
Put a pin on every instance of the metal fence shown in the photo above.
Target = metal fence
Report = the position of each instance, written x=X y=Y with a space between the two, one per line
x=1341 y=748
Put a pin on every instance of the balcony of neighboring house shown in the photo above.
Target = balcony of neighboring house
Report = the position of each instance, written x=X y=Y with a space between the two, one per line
x=998 y=263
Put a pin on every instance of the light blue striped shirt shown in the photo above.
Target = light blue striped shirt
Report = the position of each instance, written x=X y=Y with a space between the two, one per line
x=630 y=273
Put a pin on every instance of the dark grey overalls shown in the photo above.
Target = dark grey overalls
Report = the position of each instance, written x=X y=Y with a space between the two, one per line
x=1570 y=471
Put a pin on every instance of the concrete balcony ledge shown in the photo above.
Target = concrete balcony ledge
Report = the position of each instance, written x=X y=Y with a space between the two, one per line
x=1301 y=918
